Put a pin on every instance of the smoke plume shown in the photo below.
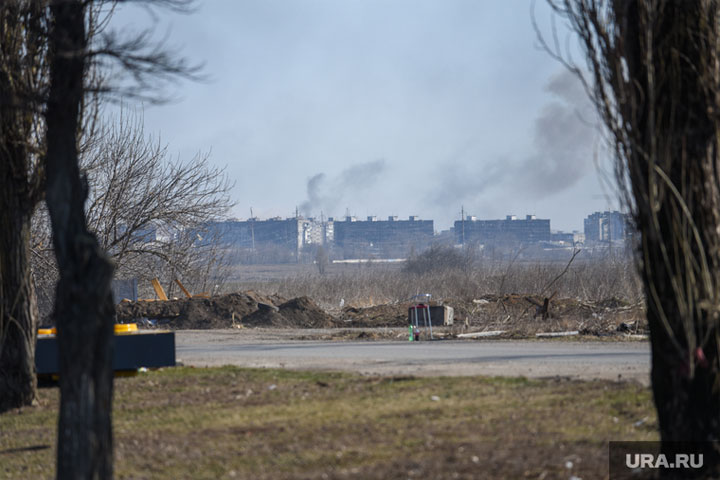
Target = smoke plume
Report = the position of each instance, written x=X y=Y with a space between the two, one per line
x=326 y=195
x=563 y=136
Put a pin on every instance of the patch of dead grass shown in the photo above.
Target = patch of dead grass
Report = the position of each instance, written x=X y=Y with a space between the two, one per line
x=267 y=424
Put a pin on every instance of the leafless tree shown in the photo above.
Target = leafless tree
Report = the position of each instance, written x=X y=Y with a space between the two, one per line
x=654 y=75
x=84 y=311
x=23 y=79
x=136 y=190
x=42 y=263
x=149 y=212
x=83 y=303
x=25 y=59
x=54 y=56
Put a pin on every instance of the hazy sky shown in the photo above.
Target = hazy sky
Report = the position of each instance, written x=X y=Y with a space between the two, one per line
x=381 y=107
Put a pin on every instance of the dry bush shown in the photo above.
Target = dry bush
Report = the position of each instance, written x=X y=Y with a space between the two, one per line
x=440 y=258
x=375 y=284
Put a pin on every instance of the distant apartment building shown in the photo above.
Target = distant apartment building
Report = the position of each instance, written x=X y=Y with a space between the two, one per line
x=383 y=238
x=350 y=238
x=291 y=233
x=511 y=229
x=607 y=227
x=295 y=239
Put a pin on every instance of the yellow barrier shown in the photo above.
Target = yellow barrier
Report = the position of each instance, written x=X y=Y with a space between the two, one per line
x=120 y=328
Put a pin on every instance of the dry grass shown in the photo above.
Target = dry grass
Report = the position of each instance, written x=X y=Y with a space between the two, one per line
x=376 y=284
x=273 y=424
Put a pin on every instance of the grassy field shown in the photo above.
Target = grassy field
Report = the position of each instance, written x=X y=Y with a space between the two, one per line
x=274 y=424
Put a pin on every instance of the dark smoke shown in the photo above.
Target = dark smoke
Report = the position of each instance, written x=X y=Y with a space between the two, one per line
x=327 y=195
x=563 y=138
x=313 y=194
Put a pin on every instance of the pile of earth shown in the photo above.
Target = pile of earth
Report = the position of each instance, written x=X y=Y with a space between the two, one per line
x=521 y=313
x=524 y=313
x=225 y=311
x=390 y=315
x=299 y=312
x=376 y=316
x=518 y=305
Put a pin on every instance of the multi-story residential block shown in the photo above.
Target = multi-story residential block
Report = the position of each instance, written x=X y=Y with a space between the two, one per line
x=607 y=227
x=511 y=229
x=383 y=238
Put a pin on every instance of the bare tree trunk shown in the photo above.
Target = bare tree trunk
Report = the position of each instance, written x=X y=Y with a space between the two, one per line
x=674 y=176
x=19 y=193
x=18 y=308
x=655 y=80
x=83 y=310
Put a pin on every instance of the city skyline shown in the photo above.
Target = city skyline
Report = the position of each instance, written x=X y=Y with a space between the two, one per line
x=422 y=105
x=382 y=218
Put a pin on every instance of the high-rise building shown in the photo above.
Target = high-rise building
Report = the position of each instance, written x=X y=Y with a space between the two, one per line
x=607 y=227
x=511 y=229
x=383 y=238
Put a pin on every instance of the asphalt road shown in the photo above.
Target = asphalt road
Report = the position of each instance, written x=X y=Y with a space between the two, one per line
x=585 y=360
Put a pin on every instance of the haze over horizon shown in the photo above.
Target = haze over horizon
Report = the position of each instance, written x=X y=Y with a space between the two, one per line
x=382 y=108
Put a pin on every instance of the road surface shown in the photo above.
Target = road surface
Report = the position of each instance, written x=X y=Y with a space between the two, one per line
x=582 y=360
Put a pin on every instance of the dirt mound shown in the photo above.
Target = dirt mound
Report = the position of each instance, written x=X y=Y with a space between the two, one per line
x=302 y=312
x=377 y=316
x=197 y=313
x=395 y=315
x=517 y=313
x=243 y=308
x=529 y=305
x=523 y=314
x=299 y=312
x=216 y=312
x=265 y=316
